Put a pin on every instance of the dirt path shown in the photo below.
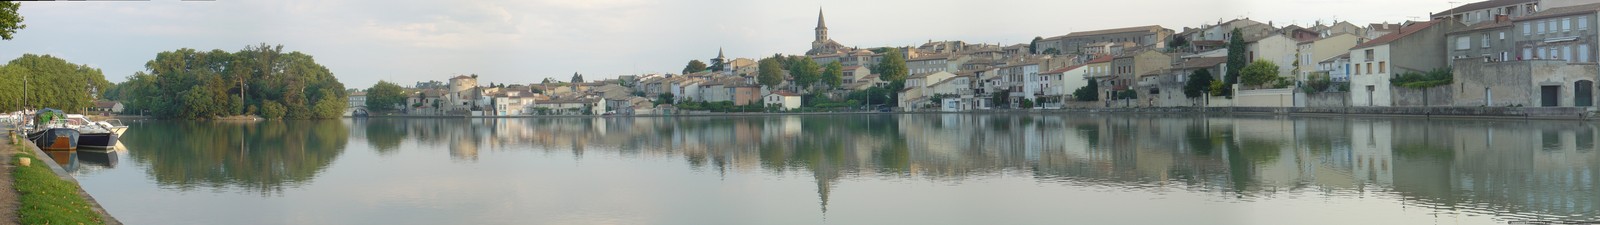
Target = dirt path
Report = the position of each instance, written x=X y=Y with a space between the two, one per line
x=8 y=195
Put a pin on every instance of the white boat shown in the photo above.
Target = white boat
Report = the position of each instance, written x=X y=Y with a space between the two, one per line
x=96 y=134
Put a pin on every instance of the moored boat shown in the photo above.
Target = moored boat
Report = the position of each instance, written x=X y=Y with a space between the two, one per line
x=95 y=135
x=50 y=131
x=61 y=139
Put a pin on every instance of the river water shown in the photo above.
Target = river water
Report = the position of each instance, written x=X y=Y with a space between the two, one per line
x=850 y=169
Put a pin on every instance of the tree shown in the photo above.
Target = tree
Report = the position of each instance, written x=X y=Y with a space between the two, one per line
x=893 y=67
x=769 y=73
x=1178 y=41
x=806 y=72
x=664 y=98
x=694 y=66
x=1088 y=93
x=384 y=96
x=1236 y=57
x=1052 y=51
x=1000 y=99
x=577 y=78
x=192 y=84
x=1199 y=82
x=10 y=21
x=1033 y=46
x=44 y=81
x=1258 y=73
x=834 y=74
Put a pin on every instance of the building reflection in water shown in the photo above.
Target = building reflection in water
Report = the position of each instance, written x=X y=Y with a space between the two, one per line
x=1543 y=169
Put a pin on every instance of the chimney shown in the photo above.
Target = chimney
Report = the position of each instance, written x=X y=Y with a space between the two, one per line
x=1502 y=18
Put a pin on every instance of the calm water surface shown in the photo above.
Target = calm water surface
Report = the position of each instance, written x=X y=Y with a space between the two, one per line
x=860 y=169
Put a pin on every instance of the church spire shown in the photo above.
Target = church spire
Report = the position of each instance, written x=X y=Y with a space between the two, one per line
x=719 y=53
x=820 y=23
x=822 y=28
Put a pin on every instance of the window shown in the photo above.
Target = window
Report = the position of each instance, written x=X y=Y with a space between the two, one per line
x=1502 y=35
x=1566 y=24
x=1526 y=28
x=1463 y=43
x=1566 y=53
x=1583 y=53
x=1538 y=27
x=1369 y=55
x=1485 y=42
x=1369 y=68
x=1583 y=22
x=1526 y=53
x=1381 y=65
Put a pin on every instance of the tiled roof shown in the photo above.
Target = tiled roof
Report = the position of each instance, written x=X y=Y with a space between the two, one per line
x=1481 y=6
x=785 y=93
x=1201 y=62
x=1064 y=69
x=936 y=84
x=1391 y=37
x=1101 y=59
x=105 y=104
x=1110 y=31
x=1562 y=11
x=1345 y=55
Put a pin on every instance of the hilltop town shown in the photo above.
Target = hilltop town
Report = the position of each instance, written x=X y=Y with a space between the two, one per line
x=1497 y=53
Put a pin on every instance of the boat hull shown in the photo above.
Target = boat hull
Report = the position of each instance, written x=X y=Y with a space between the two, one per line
x=55 y=139
x=97 y=140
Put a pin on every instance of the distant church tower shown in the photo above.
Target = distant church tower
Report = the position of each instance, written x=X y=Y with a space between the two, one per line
x=822 y=28
x=824 y=45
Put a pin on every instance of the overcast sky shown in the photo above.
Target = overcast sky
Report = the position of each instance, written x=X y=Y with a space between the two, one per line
x=523 y=41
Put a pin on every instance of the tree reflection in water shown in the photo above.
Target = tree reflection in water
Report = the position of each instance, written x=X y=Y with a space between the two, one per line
x=1534 y=169
x=263 y=157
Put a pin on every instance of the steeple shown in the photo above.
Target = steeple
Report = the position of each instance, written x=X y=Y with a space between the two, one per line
x=719 y=53
x=820 y=23
x=822 y=28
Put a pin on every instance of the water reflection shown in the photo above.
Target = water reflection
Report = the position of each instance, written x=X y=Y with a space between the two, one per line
x=1511 y=169
x=260 y=157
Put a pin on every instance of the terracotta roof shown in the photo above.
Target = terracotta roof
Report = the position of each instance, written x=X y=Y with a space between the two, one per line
x=1562 y=11
x=931 y=57
x=1481 y=6
x=358 y=93
x=1153 y=73
x=1391 y=37
x=1102 y=59
x=1202 y=62
x=1110 y=31
x=1064 y=69
x=1345 y=55
x=936 y=84
x=105 y=104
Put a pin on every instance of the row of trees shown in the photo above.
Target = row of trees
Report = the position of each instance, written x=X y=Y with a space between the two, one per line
x=44 y=81
x=258 y=80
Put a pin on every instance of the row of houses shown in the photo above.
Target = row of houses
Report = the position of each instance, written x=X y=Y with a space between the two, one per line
x=1499 y=52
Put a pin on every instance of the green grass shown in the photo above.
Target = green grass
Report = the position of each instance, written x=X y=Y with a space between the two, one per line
x=47 y=199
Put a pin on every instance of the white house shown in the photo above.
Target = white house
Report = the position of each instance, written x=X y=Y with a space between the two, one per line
x=1276 y=48
x=1418 y=47
x=783 y=99
x=512 y=103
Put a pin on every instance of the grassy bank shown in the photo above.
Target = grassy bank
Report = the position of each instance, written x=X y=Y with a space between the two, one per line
x=45 y=198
